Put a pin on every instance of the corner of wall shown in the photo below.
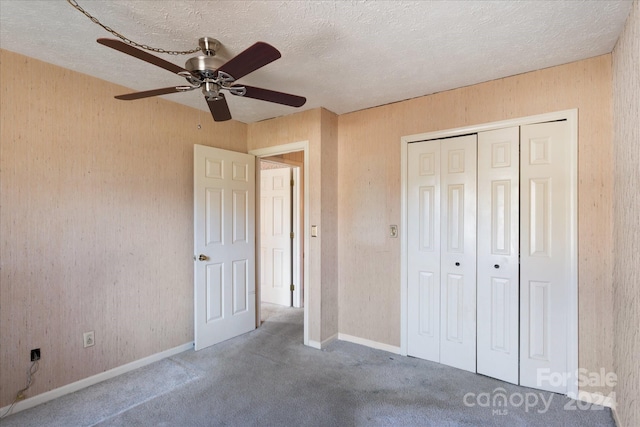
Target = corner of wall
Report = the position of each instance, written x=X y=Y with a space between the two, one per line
x=329 y=200
x=626 y=230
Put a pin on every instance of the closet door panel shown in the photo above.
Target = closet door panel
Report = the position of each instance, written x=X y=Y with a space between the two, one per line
x=458 y=252
x=423 y=231
x=545 y=254
x=498 y=246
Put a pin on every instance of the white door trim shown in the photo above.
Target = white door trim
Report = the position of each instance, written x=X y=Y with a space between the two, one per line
x=283 y=149
x=572 y=310
x=297 y=250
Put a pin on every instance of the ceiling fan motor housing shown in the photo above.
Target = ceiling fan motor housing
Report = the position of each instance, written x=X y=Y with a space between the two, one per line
x=204 y=67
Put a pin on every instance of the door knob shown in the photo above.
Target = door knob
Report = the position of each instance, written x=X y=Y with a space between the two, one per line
x=496 y=266
x=203 y=257
x=457 y=264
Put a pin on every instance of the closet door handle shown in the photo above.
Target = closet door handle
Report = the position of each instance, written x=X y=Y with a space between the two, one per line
x=496 y=266
x=457 y=264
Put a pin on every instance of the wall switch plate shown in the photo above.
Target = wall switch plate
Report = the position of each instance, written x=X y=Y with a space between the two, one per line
x=89 y=339
x=314 y=231
x=393 y=231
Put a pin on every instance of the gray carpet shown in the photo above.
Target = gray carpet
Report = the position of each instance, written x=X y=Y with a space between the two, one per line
x=268 y=378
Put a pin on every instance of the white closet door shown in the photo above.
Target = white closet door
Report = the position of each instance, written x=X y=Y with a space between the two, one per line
x=498 y=247
x=545 y=250
x=441 y=241
x=423 y=241
x=458 y=252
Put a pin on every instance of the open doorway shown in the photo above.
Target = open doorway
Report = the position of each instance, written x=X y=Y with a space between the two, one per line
x=281 y=237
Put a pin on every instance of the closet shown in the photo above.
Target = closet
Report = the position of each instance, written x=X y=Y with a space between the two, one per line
x=442 y=280
x=489 y=245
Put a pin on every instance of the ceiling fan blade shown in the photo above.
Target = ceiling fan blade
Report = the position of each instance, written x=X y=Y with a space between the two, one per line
x=273 y=96
x=148 y=93
x=219 y=108
x=137 y=53
x=249 y=60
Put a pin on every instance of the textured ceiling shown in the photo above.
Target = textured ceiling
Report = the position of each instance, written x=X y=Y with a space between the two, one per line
x=342 y=55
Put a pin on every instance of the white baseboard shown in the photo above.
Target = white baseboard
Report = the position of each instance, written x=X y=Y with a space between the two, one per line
x=320 y=345
x=369 y=343
x=329 y=340
x=315 y=344
x=95 y=379
x=616 y=420
x=597 y=399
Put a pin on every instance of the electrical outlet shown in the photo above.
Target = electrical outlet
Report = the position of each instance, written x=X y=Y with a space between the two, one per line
x=89 y=339
x=35 y=354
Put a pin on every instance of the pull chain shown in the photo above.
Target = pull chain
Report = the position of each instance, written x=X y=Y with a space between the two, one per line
x=95 y=20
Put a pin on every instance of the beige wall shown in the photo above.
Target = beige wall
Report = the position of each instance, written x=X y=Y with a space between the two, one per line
x=369 y=196
x=96 y=222
x=626 y=208
x=329 y=229
x=319 y=128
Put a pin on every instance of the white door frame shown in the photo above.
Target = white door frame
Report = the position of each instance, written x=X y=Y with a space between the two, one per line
x=572 y=310
x=274 y=151
x=296 y=255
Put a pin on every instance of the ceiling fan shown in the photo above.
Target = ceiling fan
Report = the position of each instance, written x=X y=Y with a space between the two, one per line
x=212 y=75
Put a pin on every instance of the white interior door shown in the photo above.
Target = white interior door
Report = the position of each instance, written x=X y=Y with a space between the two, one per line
x=545 y=241
x=423 y=254
x=498 y=248
x=275 y=238
x=224 y=245
x=458 y=252
x=441 y=230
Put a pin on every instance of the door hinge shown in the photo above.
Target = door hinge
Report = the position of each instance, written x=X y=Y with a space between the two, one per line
x=292 y=288
x=291 y=235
